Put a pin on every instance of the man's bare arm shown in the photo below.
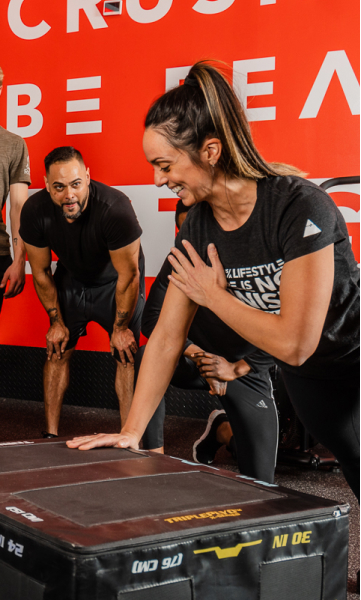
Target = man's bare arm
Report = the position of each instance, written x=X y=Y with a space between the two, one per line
x=15 y=274
x=216 y=369
x=125 y=261
x=58 y=335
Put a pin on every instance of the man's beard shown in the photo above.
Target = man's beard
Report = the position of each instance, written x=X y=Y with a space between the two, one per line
x=81 y=208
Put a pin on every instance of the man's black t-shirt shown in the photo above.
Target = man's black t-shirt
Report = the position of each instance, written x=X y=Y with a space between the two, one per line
x=292 y=217
x=107 y=223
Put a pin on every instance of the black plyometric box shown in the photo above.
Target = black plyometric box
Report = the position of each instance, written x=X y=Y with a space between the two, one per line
x=113 y=524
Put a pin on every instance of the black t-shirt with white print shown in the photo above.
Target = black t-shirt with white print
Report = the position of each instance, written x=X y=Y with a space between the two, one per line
x=107 y=223
x=206 y=331
x=292 y=217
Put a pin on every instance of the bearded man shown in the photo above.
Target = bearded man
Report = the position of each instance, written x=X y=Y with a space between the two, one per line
x=94 y=232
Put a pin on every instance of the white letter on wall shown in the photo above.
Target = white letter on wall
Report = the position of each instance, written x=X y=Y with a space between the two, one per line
x=150 y=15
x=174 y=75
x=19 y=28
x=14 y=110
x=335 y=62
x=91 y=11
x=241 y=68
x=211 y=8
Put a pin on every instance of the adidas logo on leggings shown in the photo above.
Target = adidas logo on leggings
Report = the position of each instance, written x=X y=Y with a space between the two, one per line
x=262 y=404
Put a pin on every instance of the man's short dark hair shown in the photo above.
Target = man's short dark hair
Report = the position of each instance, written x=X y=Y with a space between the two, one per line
x=62 y=154
x=180 y=208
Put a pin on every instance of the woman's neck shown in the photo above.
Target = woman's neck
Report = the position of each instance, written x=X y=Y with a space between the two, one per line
x=232 y=201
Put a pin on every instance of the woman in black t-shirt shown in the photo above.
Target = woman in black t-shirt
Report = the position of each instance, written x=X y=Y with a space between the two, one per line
x=250 y=222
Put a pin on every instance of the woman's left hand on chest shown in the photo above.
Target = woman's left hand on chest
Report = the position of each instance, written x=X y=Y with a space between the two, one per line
x=196 y=279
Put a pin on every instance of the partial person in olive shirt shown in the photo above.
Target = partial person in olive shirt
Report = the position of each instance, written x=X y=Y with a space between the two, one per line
x=93 y=230
x=14 y=178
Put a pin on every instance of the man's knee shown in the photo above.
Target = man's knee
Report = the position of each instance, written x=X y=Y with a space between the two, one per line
x=62 y=362
x=116 y=356
x=138 y=356
x=125 y=373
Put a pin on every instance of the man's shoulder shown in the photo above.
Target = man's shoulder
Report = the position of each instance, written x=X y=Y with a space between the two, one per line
x=113 y=213
x=38 y=200
x=10 y=140
x=107 y=195
x=35 y=213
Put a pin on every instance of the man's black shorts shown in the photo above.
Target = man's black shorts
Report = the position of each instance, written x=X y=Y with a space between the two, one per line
x=80 y=304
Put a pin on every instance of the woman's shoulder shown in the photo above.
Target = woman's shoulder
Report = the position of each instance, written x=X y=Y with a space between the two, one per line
x=196 y=217
x=195 y=228
x=285 y=194
x=198 y=209
x=301 y=215
x=291 y=186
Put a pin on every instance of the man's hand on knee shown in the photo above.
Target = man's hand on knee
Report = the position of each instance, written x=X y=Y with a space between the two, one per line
x=124 y=341
x=56 y=340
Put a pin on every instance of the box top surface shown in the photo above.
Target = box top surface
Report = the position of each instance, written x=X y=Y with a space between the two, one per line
x=34 y=456
x=111 y=496
x=117 y=500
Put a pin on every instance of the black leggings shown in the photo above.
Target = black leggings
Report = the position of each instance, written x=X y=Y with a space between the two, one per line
x=330 y=411
x=252 y=414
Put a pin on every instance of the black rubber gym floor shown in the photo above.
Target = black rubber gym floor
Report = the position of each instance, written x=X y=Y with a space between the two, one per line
x=23 y=420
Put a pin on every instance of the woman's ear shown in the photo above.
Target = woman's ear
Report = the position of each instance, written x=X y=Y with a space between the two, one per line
x=211 y=151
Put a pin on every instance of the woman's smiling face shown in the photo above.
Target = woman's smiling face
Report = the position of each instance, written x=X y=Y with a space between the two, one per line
x=176 y=170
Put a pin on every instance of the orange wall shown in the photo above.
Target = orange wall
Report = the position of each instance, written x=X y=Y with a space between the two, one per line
x=304 y=52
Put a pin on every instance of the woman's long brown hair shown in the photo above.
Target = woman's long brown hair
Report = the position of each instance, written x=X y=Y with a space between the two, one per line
x=206 y=106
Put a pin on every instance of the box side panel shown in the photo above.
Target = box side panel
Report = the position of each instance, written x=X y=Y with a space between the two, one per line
x=243 y=561
x=34 y=569
x=309 y=553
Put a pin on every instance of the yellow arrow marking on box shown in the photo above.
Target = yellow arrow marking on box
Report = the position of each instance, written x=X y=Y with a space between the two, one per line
x=228 y=552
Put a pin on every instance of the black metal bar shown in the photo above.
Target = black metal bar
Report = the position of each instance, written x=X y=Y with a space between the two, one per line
x=339 y=181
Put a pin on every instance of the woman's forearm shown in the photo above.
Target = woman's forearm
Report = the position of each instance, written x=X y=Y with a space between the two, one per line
x=272 y=333
x=159 y=362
